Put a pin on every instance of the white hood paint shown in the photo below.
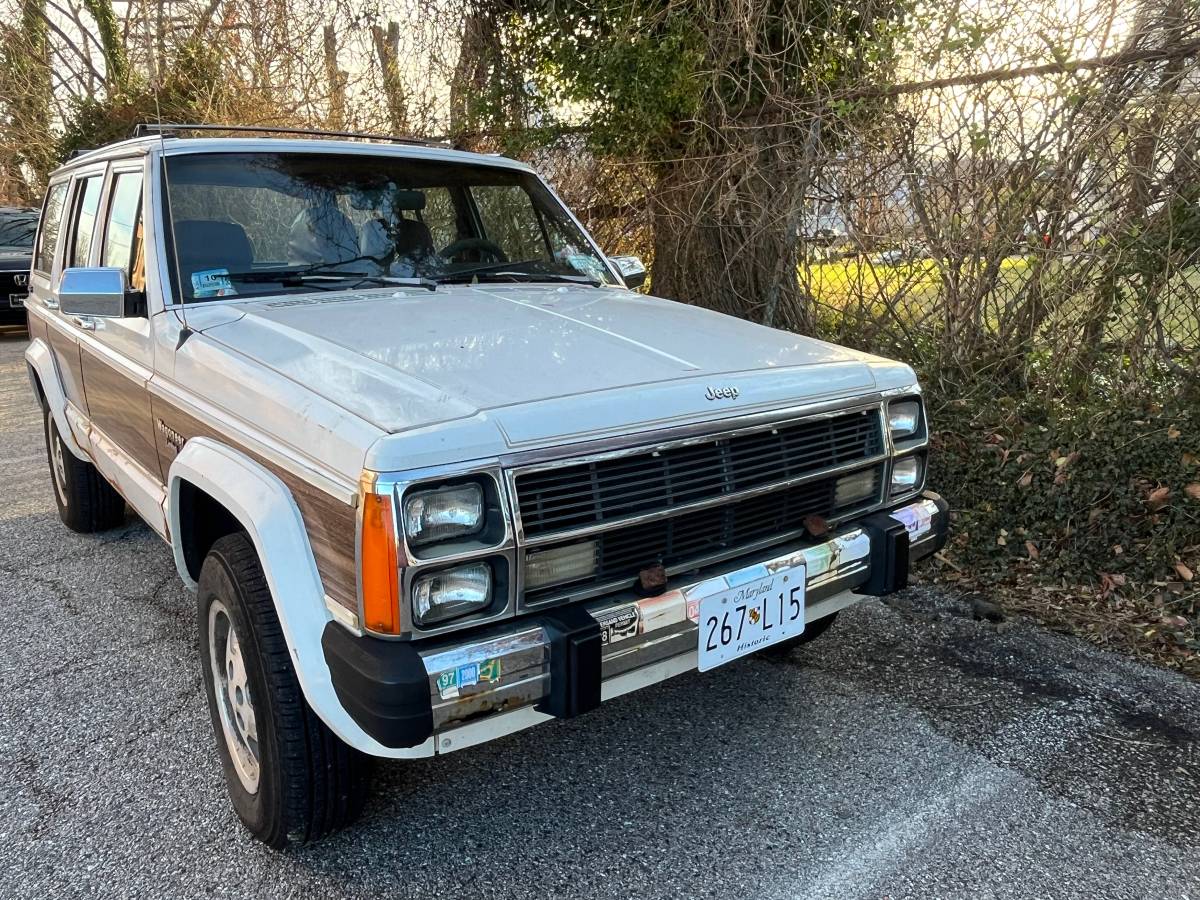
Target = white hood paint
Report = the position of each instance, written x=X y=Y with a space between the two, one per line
x=517 y=366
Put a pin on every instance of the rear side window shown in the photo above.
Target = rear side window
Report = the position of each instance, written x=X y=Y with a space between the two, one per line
x=122 y=234
x=87 y=204
x=47 y=241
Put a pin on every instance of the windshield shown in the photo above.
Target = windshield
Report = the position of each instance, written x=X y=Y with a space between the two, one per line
x=17 y=228
x=249 y=224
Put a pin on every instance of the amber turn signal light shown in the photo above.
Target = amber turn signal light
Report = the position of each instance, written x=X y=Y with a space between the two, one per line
x=380 y=567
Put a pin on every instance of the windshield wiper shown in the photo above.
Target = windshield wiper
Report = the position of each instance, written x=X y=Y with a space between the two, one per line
x=396 y=281
x=477 y=275
x=296 y=277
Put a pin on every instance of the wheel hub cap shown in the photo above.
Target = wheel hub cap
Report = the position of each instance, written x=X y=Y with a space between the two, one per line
x=59 y=465
x=234 y=702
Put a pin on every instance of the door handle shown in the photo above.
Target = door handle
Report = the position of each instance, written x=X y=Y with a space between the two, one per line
x=87 y=323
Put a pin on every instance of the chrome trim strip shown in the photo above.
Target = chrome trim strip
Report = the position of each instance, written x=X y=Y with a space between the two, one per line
x=567 y=595
x=701 y=434
x=653 y=437
x=696 y=505
x=396 y=485
x=512 y=474
x=641 y=657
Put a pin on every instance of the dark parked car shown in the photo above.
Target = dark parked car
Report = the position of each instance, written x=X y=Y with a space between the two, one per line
x=17 y=228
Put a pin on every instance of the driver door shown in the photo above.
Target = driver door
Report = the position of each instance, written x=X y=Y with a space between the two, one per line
x=117 y=354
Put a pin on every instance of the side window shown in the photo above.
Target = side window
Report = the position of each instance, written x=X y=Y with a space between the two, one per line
x=123 y=232
x=87 y=204
x=47 y=241
x=510 y=220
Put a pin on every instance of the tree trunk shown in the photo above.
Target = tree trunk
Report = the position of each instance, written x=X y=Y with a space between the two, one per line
x=387 y=49
x=335 y=78
x=727 y=233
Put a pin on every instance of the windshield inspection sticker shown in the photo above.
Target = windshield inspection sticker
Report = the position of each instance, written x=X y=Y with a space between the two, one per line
x=585 y=265
x=212 y=283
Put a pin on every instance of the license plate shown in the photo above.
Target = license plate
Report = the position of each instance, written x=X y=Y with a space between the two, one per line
x=16 y=300
x=757 y=613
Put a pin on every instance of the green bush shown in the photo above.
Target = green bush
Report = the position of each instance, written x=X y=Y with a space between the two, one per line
x=1104 y=494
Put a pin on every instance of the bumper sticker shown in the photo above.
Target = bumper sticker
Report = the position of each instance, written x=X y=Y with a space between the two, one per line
x=618 y=624
x=451 y=681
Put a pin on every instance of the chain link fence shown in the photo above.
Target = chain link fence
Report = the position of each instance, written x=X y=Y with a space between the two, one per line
x=1038 y=233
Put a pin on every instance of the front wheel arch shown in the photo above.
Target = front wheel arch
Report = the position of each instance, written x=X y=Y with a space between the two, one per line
x=263 y=507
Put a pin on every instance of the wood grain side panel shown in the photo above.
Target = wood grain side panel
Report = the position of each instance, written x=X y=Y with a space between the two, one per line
x=65 y=349
x=119 y=405
x=37 y=327
x=331 y=524
x=332 y=527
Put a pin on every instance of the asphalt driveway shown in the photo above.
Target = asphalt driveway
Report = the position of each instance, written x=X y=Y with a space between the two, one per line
x=911 y=752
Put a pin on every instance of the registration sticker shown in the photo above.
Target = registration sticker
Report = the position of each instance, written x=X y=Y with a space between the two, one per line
x=212 y=283
x=451 y=682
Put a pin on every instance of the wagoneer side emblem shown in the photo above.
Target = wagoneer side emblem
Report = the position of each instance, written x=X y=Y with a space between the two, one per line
x=173 y=438
x=721 y=393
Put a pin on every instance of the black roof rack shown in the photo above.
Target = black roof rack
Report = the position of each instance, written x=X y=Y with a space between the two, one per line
x=143 y=129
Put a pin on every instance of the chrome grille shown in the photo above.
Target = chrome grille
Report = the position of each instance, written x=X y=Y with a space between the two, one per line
x=711 y=532
x=656 y=481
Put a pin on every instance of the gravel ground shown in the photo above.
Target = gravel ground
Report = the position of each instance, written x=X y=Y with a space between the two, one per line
x=911 y=752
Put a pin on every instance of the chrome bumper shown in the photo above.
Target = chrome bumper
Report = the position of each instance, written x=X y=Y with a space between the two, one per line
x=511 y=678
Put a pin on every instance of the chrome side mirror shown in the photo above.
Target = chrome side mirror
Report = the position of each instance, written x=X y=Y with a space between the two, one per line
x=632 y=269
x=96 y=292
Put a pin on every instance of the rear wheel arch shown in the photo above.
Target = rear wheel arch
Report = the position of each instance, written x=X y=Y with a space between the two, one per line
x=36 y=381
x=43 y=373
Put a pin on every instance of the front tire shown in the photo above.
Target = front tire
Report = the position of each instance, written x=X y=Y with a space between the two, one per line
x=289 y=777
x=86 y=502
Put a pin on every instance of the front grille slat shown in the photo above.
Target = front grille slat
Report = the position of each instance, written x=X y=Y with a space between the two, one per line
x=610 y=492
x=606 y=491
x=691 y=536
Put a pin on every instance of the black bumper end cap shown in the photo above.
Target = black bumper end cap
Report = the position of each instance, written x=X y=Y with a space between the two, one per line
x=383 y=685
x=889 y=555
x=575 y=657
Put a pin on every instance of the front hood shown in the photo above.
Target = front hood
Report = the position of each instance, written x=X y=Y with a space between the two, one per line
x=536 y=363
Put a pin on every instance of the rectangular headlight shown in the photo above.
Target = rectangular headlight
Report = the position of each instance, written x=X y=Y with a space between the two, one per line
x=903 y=417
x=451 y=593
x=906 y=474
x=855 y=487
x=560 y=565
x=443 y=513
